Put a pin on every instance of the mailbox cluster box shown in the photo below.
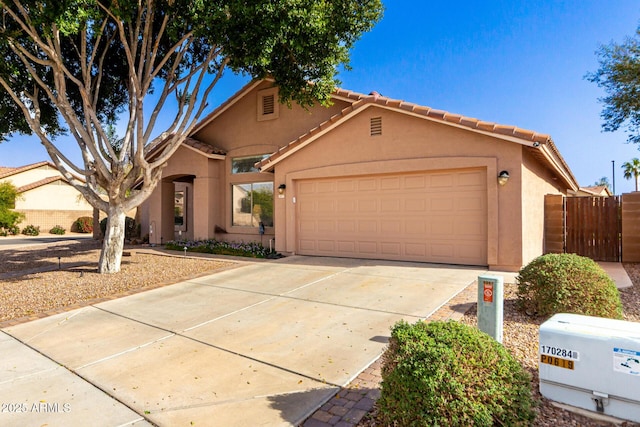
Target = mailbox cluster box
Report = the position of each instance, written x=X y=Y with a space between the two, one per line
x=591 y=363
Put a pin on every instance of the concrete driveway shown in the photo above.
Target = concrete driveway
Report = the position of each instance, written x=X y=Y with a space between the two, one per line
x=262 y=344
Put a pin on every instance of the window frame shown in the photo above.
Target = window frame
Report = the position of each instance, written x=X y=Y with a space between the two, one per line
x=238 y=207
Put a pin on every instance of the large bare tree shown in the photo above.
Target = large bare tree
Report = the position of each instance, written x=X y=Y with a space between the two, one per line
x=79 y=66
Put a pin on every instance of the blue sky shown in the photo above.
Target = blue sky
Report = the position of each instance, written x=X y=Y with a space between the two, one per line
x=512 y=62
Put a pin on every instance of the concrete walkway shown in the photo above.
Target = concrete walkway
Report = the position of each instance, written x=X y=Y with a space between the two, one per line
x=263 y=344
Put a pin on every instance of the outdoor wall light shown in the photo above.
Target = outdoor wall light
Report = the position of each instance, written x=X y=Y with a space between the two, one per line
x=503 y=177
x=281 y=188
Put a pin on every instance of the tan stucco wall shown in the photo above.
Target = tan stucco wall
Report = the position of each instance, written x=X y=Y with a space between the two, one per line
x=57 y=195
x=538 y=182
x=28 y=177
x=238 y=132
x=408 y=143
x=411 y=144
x=203 y=192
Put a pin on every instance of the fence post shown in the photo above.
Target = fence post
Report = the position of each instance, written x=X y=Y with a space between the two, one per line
x=553 y=224
x=631 y=227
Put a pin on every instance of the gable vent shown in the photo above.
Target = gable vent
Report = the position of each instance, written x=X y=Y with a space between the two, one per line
x=376 y=126
x=268 y=104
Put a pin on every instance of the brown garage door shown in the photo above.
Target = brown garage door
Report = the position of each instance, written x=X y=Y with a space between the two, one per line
x=430 y=217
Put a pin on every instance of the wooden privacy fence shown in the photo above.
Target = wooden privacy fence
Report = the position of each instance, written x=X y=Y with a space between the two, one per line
x=601 y=228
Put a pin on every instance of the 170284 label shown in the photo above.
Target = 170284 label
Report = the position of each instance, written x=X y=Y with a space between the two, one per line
x=559 y=352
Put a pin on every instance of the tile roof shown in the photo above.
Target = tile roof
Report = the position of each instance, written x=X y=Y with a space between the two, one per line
x=596 y=190
x=440 y=115
x=40 y=183
x=541 y=143
x=203 y=147
x=5 y=171
x=198 y=146
x=361 y=101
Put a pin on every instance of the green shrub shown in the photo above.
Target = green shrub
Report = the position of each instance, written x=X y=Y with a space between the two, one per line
x=567 y=283
x=57 y=230
x=31 y=230
x=130 y=229
x=9 y=230
x=9 y=218
x=84 y=224
x=451 y=374
x=220 y=247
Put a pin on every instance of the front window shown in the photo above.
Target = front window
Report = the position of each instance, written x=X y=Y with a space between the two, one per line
x=179 y=210
x=246 y=164
x=253 y=204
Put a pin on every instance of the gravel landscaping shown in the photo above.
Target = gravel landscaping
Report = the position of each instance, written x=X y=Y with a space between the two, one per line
x=27 y=292
x=521 y=338
x=39 y=293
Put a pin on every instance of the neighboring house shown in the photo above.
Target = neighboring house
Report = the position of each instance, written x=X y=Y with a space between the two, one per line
x=594 y=190
x=368 y=177
x=47 y=199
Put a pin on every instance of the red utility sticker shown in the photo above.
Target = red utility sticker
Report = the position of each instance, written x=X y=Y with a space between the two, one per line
x=488 y=291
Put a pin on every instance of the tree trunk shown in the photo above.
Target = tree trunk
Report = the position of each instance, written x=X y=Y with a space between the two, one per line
x=113 y=243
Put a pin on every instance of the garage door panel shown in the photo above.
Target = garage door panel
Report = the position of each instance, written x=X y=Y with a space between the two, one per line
x=390 y=205
x=326 y=246
x=415 y=205
x=416 y=226
x=367 y=205
x=307 y=245
x=325 y=226
x=416 y=249
x=415 y=182
x=367 y=226
x=367 y=247
x=441 y=226
x=392 y=183
x=390 y=248
x=346 y=226
x=442 y=250
x=441 y=181
x=430 y=216
x=367 y=184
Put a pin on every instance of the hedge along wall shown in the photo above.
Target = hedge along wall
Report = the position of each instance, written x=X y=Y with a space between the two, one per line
x=46 y=219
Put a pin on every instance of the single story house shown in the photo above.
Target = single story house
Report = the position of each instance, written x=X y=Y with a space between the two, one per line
x=592 y=191
x=46 y=198
x=368 y=177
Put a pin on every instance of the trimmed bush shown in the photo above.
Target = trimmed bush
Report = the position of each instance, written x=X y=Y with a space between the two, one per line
x=84 y=224
x=451 y=374
x=567 y=283
x=13 y=230
x=57 y=230
x=31 y=230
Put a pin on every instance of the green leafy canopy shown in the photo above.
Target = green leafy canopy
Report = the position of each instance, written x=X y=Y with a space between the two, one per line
x=296 y=42
x=619 y=76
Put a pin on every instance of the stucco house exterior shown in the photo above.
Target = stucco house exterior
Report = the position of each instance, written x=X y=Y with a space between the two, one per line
x=368 y=177
x=47 y=199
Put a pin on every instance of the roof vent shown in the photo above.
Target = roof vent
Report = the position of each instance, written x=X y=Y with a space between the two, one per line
x=376 y=126
x=268 y=104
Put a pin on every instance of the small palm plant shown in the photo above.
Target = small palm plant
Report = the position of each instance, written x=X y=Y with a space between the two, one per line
x=632 y=170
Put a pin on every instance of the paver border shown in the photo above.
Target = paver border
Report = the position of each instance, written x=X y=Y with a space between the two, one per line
x=349 y=406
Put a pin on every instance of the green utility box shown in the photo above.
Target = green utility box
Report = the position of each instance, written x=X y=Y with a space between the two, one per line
x=490 y=305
